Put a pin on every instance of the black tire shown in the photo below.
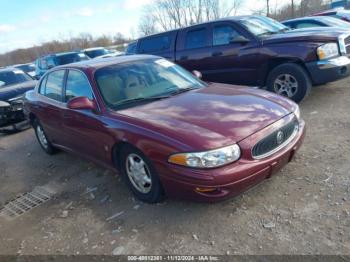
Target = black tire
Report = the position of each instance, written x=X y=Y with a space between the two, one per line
x=156 y=192
x=48 y=147
x=298 y=86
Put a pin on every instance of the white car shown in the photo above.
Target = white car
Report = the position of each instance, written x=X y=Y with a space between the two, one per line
x=96 y=52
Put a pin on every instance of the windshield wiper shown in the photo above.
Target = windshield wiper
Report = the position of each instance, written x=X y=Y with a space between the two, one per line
x=137 y=99
x=182 y=90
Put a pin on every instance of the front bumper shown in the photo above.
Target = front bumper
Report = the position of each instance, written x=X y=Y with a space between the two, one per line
x=329 y=70
x=230 y=180
x=11 y=115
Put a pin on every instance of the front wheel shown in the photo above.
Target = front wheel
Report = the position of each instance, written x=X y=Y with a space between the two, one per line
x=140 y=175
x=289 y=80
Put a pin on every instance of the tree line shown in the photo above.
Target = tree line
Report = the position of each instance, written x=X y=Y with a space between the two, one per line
x=82 y=41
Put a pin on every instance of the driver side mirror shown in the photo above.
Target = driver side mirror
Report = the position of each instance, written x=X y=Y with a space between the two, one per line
x=80 y=103
x=197 y=74
x=240 y=40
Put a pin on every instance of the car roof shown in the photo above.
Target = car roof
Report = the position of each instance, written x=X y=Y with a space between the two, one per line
x=320 y=18
x=60 y=54
x=330 y=11
x=103 y=62
x=93 y=48
x=22 y=64
x=67 y=53
x=9 y=69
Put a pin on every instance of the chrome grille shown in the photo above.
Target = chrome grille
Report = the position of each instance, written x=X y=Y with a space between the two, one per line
x=344 y=44
x=276 y=140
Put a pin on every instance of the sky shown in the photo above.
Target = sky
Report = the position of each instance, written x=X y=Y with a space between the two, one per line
x=27 y=23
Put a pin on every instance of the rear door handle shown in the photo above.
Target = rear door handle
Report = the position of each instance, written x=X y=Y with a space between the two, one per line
x=216 y=54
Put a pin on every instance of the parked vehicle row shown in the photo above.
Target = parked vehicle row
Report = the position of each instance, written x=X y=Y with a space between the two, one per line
x=316 y=21
x=256 y=51
x=45 y=63
x=340 y=13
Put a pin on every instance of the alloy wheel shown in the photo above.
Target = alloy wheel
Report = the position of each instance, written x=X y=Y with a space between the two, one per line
x=286 y=85
x=138 y=173
x=41 y=136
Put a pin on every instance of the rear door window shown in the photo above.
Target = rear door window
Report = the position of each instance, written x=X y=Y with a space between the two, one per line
x=155 y=44
x=54 y=85
x=77 y=85
x=196 y=38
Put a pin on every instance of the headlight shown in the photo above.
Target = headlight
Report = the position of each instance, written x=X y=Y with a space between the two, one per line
x=327 y=51
x=297 y=112
x=207 y=159
x=4 y=104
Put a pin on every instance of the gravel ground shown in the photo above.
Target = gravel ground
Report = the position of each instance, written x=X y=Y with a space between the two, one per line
x=304 y=209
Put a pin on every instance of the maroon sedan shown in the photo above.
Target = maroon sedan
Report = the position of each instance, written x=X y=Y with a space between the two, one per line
x=166 y=131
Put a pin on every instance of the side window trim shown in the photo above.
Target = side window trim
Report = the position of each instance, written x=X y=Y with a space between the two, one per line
x=43 y=86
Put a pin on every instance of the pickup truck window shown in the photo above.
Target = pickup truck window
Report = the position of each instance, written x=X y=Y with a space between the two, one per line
x=154 y=44
x=196 y=38
x=223 y=34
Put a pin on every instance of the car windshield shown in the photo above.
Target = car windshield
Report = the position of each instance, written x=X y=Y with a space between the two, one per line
x=13 y=77
x=70 y=58
x=263 y=26
x=331 y=21
x=26 y=68
x=143 y=81
x=96 y=52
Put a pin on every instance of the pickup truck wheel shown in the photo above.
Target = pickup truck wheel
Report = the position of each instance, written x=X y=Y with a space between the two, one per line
x=42 y=138
x=289 y=80
x=140 y=175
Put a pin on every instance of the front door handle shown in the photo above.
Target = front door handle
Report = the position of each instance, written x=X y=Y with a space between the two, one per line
x=216 y=54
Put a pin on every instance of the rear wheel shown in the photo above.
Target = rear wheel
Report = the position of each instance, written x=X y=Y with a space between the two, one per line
x=289 y=80
x=140 y=175
x=42 y=138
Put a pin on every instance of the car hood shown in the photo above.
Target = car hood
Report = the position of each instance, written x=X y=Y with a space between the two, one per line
x=318 y=34
x=211 y=117
x=13 y=91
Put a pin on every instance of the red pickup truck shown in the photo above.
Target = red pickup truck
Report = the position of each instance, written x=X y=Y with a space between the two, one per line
x=256 y=51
